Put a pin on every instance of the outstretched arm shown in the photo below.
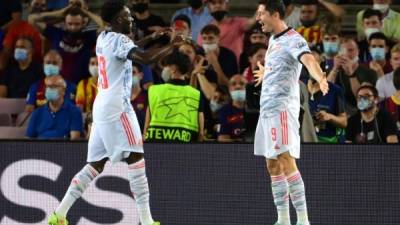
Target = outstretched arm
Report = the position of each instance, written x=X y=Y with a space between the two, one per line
x=315 y=71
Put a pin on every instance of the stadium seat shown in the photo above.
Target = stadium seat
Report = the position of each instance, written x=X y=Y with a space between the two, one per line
x=12 y=105
x=5 y=119
x=7 y=132
x=23 y=119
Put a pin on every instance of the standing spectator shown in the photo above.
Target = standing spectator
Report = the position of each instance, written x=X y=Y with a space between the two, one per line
x=87 y=88
x=292 y=14
x=73 y=43
x=372 y=23
x=370 y=124
x=385 y=85
x=181 y=25
x=390 y=19
x=330 y=44
x=10 y=12
x=175 y=112
x=349 y=74
x=198 y=14
x=231 y=116
x=146 y=22
x=51 y=66
x=58 y=118
x=21 y=73
x=256 y=54
x=378 y=48
x=392 y=103
x=252 y=36
x=222 y=60
x=232 y=28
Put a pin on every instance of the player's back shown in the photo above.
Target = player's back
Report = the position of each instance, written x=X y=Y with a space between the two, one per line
x=280 y=88
x=115 y=77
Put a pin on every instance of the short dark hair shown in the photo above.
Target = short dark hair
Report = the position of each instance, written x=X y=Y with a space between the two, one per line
x=28 y=39
x=379 y=36
x=370 y=87
x=253 y=48
x=184 y=18
x=180 y=60
x=210 y=29
x=368 y=13
x=138 y=66
x=396 y=79
x=110 y=9
x=74 y=11
x=273 y=6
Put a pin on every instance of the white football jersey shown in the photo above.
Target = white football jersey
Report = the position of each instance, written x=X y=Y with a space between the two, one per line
x=115 y=77
x=280 y=87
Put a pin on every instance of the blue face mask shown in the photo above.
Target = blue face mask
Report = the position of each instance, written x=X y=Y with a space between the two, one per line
x=238 y=95
x=215 y=106
x=364 y=104
x=331 y=48
x=20 y=54
x=135 y=80
x=378 y=53
x=51 y=70
x=51 y=94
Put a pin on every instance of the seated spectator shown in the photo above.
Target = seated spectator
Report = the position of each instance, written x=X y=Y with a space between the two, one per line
x=175 y=112
x=253 y=36
x=370 y=124
x=139 y=94
x=349 y=74
x=36 y=95
x=392 y=104
x=384 y=85
x=219 y=99
x=330 y=44
x=310 y=27
x=146 y=23
x=391 y=20
x=73 y=43
x=231 y=116
x=378 y=48
x=199 y=15
x=87 y=89
x=328 y=112
x=58 y=118
x=372 y=23
x=222 y=60
x=21 y=73
x=256 y=54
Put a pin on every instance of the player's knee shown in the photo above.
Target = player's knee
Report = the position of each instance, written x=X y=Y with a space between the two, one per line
x=98 y=166
x=274 y=167
x=288 y=163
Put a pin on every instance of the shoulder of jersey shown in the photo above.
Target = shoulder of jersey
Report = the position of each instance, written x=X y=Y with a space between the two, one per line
x=292 y=32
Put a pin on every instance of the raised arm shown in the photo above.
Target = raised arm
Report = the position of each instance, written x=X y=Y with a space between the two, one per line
x=335 y=9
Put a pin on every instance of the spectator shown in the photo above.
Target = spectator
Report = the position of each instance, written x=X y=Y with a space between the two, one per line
x=378 y=48
x=73 y=43
x=391 y=20
x=146 y=22
x=221 y=59
x=21 y=73
x=256 y=54
x=392 y=103
x=58 y=118
x=10 y=12
x=307 y=129
x=252 y=36
x=199 y=15
x=385 y=85
x=231 y=116
x=139 y=94
x=87 y=88
x=292 y=14
x=376 y=125
x=181 y=25
x=219 y=99
x=36 y=95
x=310 y=27
x=232 y=28
x=175 y=112
x=349 y=74
x=372 y=23
x=330 y=44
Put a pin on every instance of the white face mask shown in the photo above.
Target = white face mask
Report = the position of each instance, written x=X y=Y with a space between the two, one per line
x=355 y=60
x=210 y=47
x=166 y=74
x=381 y=7
x=93 y=70
x=369 y=31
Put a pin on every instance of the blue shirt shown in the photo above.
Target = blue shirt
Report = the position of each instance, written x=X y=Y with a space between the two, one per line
x=47 y=124
x=231 y=120
x=36 y=93
x=197 y=21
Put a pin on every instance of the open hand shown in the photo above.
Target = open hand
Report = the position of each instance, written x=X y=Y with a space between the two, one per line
x=258 y=74
x=324 y=86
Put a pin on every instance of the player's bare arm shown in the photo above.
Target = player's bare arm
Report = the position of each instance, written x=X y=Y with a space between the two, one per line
x=259 y=74
x=315 y=71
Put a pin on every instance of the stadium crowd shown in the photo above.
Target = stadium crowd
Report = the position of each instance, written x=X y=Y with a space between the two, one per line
x=202 y=88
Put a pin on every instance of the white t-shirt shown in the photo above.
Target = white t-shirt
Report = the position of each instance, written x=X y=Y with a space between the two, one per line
x=280 y=88
x=385 y=86
x=115 y=77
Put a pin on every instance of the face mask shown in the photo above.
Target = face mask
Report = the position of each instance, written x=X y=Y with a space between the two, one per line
x=381 y=7
x=331 y=48
x=238 y=95
x=195 y=4
x=51 y=70
x=355 y=60
x=209 y=47
x=135 y=80
x=215 y=106
x=378 y=53
x=219 y=15
x=308 y=23
x=166 y=74
x=364 y=104
x=51 y=94
x=370 y=31
x=140 y=7
x=94 y=71
x=20 y=54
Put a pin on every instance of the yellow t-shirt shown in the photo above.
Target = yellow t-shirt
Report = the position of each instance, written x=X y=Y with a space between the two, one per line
x=86 y=93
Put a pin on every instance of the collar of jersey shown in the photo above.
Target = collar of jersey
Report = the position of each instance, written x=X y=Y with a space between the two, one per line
x=282 y=33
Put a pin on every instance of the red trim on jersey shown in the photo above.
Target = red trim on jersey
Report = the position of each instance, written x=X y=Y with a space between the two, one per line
x=138 y=165
x=284 y=127
x=128 y=129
